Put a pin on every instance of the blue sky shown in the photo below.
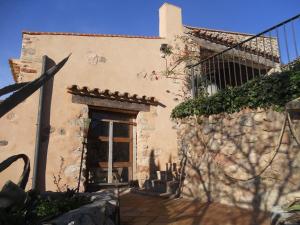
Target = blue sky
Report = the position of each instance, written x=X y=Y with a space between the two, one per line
x=136 y=17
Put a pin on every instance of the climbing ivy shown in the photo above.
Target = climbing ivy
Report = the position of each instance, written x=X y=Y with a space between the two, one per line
x=270 y=91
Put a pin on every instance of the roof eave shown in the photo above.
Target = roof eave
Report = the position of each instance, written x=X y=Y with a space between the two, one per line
x=12 y=66
x=89 y=35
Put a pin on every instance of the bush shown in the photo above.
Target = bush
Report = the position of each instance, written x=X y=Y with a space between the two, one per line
x=265 y=92
x=38 y=208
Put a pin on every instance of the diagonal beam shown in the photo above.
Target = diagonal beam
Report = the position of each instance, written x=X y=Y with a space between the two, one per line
x=27 y=90
x=11 y=88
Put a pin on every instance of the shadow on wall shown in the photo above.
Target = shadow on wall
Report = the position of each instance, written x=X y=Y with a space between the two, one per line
x=45 y=128
x=152 y=166
x=161 y=180
x=220 y=152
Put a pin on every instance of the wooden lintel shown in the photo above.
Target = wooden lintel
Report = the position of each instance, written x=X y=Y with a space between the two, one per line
x=110 y=103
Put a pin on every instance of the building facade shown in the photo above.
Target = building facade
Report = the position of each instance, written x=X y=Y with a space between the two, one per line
x=115 y=80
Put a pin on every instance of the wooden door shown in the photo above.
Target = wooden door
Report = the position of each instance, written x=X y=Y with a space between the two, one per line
x=110 y=147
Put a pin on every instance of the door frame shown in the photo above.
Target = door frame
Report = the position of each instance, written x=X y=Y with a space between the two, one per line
x=132 y=140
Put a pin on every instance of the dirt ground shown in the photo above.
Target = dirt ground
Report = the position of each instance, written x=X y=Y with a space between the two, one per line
x=147 y=210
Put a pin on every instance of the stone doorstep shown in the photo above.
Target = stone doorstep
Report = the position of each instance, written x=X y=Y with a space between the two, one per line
x=161 y=186
x=153 y=194
x=124 y=191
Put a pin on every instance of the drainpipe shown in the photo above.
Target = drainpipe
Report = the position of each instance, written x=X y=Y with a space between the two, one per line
x=38 y=143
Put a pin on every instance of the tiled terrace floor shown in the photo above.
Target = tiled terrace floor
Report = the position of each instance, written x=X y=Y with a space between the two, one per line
x=145 y=210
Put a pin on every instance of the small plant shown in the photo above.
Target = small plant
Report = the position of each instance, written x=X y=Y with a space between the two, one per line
x=48 y=207
x=58 y=179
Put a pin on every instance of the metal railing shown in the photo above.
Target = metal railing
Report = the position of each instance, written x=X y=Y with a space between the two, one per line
x=258 y=55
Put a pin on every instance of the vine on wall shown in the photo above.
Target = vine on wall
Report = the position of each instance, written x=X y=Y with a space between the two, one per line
x=272 y=91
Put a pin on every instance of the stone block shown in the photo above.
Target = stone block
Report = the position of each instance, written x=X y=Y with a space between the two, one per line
x=248 y=130
x=250 y=138
x=229 y=148
x=214 y=145
x=265 y=135
x=235 y=133
x=246 y=120
x=228 y=123
x=271 y=127
x=211 y=119
x=259 y=117
x=28 y=70
x=194 y=140
x=217 y=136
x=28 y=51
x=207 y=129
x=72 y=170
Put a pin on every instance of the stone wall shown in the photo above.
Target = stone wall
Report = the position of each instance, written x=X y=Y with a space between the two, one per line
x=146 y=154
x=219 y=148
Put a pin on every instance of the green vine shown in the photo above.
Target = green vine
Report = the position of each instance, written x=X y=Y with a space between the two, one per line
x=270 y=91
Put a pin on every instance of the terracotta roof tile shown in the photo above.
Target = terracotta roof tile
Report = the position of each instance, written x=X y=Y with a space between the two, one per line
x=112 y=95
x=89 y=35
x=217 y=30
x=265 y=46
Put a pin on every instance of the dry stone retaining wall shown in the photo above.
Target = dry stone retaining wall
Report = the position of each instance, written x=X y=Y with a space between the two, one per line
x=240 y=145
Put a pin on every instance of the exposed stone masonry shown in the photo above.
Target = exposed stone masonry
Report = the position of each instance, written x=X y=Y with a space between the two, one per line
x=30 y=63
x=71 y=171
x=239 y=145
x=145 y=126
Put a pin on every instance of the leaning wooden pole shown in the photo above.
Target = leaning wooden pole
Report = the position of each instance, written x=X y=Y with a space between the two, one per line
x=29 y=88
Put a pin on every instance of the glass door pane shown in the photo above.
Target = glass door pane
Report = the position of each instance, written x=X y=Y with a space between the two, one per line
x=121 y=130
x=121 y=152
x=98 y=154
x=122 y=145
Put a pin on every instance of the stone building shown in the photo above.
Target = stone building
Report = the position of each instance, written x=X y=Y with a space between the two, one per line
x=114 y=81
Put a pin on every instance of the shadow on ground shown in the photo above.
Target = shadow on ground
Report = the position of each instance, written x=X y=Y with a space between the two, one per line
x=141 y=210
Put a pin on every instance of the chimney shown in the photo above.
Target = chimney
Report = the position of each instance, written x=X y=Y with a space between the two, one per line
x=170 y=21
